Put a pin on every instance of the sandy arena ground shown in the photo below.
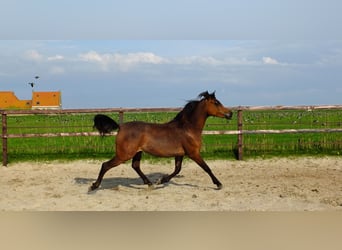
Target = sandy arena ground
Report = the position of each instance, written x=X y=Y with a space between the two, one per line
x=282 y=184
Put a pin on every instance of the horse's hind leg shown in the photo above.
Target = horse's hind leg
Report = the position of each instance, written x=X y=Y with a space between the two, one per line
x=136 y=167
x=178 y=167
x=104 y=168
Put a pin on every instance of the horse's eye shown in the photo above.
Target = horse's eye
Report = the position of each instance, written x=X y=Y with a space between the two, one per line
x=217 y=103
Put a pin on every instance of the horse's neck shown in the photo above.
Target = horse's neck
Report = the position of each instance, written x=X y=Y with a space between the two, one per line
x=198 y=118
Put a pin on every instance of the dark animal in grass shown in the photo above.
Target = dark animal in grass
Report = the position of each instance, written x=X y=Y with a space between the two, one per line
x=104 y=124
x=177 y=138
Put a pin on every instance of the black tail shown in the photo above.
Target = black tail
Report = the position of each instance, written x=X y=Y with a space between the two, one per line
x=104 y=124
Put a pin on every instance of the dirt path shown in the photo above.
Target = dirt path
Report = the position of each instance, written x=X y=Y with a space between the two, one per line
x=282 y=184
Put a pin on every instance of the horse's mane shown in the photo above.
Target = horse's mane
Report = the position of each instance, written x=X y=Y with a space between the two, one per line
x=190 y=107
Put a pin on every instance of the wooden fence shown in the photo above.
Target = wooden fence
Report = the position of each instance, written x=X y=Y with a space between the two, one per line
x=239 y=132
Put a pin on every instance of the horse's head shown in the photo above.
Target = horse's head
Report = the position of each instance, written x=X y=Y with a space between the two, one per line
x=214 y=107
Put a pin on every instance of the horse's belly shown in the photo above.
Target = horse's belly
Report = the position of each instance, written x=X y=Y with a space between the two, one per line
x=163 y=148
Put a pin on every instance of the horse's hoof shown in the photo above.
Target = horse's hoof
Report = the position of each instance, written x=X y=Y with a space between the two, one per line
x=92 y=188
x=150 y=187
x=219 y=186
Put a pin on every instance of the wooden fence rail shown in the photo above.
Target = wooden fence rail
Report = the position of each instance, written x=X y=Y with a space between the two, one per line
x=239 y=131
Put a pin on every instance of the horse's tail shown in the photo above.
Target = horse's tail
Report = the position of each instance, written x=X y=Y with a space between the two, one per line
x=104 y=124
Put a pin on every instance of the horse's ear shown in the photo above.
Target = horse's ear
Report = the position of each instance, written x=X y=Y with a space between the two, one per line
x=212 y=95
x=205 y=94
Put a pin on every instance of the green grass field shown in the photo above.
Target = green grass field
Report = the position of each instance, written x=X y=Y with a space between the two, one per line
x=214 y=146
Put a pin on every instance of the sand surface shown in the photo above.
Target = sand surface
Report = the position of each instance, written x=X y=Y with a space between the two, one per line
x=279 y=184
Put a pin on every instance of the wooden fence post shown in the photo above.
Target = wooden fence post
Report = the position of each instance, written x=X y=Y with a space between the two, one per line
x=240 y=135
x=4 y=139
x=121 y=117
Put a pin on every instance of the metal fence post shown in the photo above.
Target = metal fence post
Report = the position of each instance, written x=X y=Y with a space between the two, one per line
x=4 y=139
x=240 y=135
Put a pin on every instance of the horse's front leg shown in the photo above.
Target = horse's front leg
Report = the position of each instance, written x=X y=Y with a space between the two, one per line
x=198 y=159
x=178 y=167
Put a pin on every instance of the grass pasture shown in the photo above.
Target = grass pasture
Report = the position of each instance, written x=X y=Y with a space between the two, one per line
x=214 y=146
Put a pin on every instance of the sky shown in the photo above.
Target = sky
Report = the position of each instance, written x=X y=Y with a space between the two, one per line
x=129 y=54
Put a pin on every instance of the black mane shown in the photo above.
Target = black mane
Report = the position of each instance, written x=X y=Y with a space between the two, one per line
x=189 y=108
x=186 y=111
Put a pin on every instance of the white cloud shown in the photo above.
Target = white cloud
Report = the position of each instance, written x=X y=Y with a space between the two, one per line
x=93 y=56
x=34 y=55
x=213 y=61
x=132 y=61
x=269 y=60
x=123 y=61
x=55 y=58
x=198 y=60
x=142 y=57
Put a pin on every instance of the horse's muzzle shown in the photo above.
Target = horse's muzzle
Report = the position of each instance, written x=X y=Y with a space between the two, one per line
x=228 y=115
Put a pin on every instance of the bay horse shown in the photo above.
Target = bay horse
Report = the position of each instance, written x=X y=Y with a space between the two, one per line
x=177 y=138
